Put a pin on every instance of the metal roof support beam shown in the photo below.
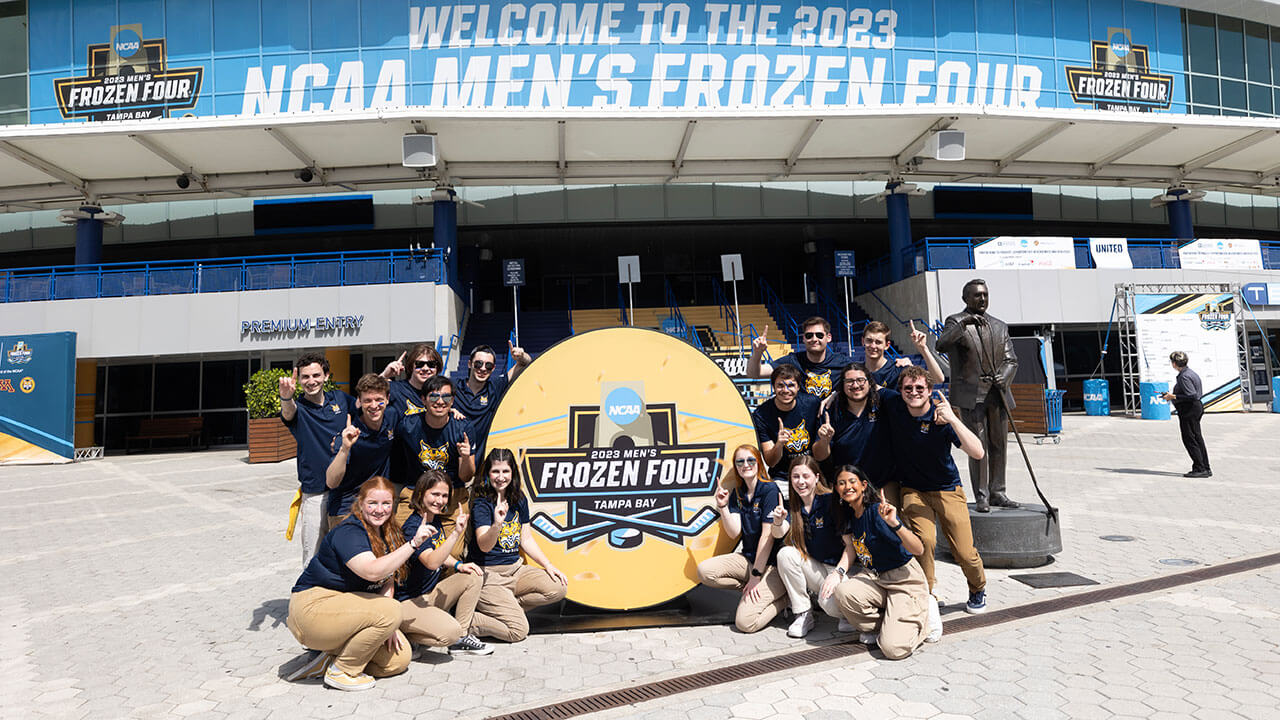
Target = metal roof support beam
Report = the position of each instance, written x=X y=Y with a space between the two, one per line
x=1130 y=146
x=561 y=164
x=1230 y=148
x=178 y=163
x=307 y=161
x=912 y=148
x=44 y=166
x=678 y=163
x=1041 y=138
x=800 y=144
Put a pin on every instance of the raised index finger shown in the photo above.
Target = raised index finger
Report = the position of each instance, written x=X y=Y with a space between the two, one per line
x=401 y=358
x=913 y=324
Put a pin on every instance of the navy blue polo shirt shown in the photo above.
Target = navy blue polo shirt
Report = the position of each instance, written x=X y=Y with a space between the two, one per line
x=406 y=398
x=480 y=406
x=507 y=550
x=821 y=378
x=921 y=449
x=422 y=579
x=887 y=376
x=369 y=456
x=314 y=427
x=860 y=439
x=801 y=420
x=328 y=568
x=427 y=448
x=821 y=536
x=753 y=511
x=875 y=546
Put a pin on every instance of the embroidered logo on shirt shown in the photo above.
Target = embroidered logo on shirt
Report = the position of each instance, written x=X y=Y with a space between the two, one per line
x=433 y=458
x=818 y=384
x=924 y=427
x=484 y=399
x=336 y=410
x=411 y=409
x=509 y=537
x=860 y=550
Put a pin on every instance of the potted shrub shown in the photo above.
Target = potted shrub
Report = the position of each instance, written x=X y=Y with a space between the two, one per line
x=269 y=439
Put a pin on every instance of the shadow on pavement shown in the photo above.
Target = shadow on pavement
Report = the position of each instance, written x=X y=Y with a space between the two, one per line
x=1140 y=471
x=277 y=610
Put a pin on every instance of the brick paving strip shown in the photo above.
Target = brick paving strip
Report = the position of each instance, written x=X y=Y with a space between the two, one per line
x=788 y=661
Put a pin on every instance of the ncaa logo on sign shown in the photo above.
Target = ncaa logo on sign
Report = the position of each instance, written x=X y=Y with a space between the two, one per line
x=126 y=43
x=1120 y=44
x=623 y=406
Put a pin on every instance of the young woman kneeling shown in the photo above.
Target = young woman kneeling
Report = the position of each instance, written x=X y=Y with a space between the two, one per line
x=813 y=545
x=889 y=600
x=749 y=506
x=342 y=604
x=500 y=530
x=428 y=595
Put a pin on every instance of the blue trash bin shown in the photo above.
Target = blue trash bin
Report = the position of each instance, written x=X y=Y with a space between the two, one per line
x=1154 y=407
x=1275 y=394
x=1097 y=397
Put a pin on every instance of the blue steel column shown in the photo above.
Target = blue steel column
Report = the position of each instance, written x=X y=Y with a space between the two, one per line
x=1180 y=214
x=444 y=232
x=899 y=229
x=89 y=238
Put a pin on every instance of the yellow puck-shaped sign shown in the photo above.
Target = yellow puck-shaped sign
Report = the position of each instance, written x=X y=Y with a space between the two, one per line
x=622 y=435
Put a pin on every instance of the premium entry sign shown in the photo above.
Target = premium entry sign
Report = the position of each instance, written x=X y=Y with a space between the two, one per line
x=621 y=436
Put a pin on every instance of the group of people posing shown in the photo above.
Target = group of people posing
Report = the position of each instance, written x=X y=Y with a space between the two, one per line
x=406 y=543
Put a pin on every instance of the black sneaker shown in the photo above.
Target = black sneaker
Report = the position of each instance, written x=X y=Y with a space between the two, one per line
x=470 y=645
x=977 y=602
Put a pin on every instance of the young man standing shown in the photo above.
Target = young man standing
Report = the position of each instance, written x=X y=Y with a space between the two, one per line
x=315 y=419
x=820 y=367
x=364 y=446
x=922 y=429
x=1186 y=400
x=477 y=398
x=785 y=423
x=435 y=440
x=875 y=341
x=421 y=363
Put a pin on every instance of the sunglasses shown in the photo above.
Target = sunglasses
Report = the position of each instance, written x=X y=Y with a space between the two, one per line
x=921 y=389
x=426 y=364
x=441 y=397
x=482 y=365
x=814 y=335
x=745 y=461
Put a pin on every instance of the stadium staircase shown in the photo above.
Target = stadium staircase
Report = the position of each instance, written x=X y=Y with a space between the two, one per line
x=539 y=330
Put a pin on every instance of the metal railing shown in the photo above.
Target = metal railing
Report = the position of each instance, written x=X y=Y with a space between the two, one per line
x=836 y=315
x=675 y=323
x=778 y=311
x=262 y=272
x=726 y=307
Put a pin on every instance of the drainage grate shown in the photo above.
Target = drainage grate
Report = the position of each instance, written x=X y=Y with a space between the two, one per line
x=1053 y=580
x=755 y=668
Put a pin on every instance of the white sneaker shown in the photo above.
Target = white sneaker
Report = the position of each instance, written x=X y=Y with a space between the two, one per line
x=844 y=626
x=869 y=639
x=935 y=621
x=801 y=625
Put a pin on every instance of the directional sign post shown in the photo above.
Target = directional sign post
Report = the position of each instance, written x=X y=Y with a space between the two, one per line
x=731 y=265
x=846 y=269
x=629 y=272
x=513 y=277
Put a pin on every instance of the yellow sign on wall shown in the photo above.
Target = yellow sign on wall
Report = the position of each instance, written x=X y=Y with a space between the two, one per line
x=622 y=435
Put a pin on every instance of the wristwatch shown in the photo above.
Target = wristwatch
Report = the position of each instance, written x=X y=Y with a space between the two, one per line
x=896 y=529
x=756 y=573
x=842 y=571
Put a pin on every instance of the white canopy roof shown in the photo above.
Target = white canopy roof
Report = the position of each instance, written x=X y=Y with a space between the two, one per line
x=45 y=166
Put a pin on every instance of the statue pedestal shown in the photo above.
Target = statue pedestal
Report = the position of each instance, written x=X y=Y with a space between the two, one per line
x=1010 y=537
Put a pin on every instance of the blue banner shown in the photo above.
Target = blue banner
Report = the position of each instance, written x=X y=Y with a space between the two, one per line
x=37 y=397
x=138 y=59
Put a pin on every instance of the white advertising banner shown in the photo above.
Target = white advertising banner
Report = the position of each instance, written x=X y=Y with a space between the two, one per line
x=1110 y=253
x=1035 y=253
x=1226 y=254
x=1201 y=325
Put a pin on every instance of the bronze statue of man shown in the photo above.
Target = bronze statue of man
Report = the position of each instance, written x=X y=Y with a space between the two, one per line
x=982 y=366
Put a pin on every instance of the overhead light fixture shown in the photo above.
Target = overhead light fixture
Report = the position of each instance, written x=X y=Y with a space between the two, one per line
x=183 y=181
x=305 y=175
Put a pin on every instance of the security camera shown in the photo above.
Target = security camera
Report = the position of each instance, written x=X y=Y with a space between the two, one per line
x=183 y=181
x=305 y=175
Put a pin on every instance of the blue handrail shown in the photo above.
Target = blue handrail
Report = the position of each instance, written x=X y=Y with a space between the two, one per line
x=726 y=309
x=682 y=328
x=778 y=311
x=835 y=314
x=208 y=275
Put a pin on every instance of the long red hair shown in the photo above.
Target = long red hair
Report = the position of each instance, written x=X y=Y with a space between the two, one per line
x=385 y=539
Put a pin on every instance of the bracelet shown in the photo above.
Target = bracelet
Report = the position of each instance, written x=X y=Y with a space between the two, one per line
x=457 y=564
x=896 y=529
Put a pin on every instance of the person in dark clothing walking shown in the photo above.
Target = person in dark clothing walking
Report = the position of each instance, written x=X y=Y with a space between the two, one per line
x=1186 y=400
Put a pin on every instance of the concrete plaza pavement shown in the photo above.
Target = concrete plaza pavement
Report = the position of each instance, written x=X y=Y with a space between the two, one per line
x=156 y=586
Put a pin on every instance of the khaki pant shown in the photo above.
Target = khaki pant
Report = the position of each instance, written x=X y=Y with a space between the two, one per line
x=508 y=591
x=352 y=626
x=803 y=575
x=731 y=572
x=426 y=618
x=894 y=602
x=924 y=512
x=311 y=525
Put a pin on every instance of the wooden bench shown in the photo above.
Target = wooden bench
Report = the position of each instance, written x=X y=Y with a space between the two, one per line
x=190 y=429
